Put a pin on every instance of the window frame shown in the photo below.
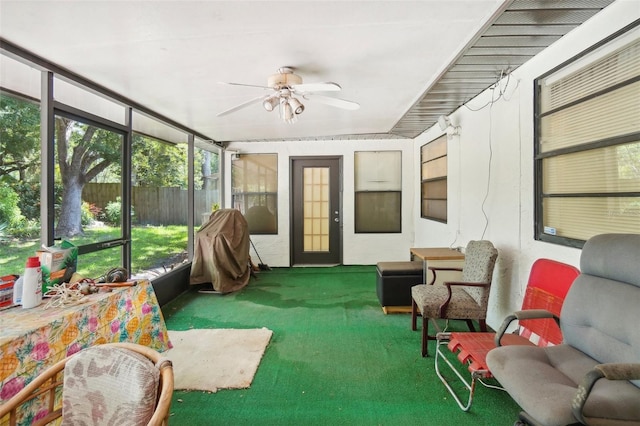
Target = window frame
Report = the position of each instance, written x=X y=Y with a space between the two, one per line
x=440 y=178
x=539 y=156
x=265 y=196
x=358 y=193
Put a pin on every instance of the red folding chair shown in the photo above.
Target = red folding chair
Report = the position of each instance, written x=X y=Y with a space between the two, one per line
x=548 y=284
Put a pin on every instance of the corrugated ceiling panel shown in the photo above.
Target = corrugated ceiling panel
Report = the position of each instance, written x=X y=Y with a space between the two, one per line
x=524 y=29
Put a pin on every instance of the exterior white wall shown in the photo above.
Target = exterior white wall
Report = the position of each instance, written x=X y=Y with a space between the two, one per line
x=490 y=177
x=493 y=158
x=358 y=249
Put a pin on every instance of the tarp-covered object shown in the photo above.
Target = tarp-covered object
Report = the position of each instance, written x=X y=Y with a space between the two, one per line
x=222 y=252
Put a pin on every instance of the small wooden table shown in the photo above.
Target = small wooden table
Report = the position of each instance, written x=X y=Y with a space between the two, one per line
x=430 y=254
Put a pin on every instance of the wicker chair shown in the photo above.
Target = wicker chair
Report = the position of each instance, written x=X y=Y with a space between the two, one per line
x=464 y=300
x=114 y=383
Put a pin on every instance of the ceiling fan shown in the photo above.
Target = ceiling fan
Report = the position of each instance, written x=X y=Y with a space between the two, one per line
x=286 y=89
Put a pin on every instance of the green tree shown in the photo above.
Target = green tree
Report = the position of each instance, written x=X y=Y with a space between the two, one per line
x=82 y=152
x=19 y=138
x=209 y=167
x=158 y=164
x=20 y=152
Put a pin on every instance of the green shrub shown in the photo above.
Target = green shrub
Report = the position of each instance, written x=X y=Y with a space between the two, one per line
x=26 y=229
x=29 y=198
x=113 y=212
x=9 y=210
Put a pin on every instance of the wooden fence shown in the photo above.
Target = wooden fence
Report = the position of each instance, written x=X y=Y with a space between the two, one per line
x=154 y=206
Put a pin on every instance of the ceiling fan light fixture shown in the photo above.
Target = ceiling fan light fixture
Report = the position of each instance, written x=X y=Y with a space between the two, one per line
x=287 y=91
x=296 y=105
x=270 y=103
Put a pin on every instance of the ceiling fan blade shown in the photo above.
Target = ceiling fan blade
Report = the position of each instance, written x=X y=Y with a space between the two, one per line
x=246 y=85
x=242 y=105
x=336 y=102
x=317 y=87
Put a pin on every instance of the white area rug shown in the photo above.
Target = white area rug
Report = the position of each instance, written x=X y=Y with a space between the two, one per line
x=213 y=359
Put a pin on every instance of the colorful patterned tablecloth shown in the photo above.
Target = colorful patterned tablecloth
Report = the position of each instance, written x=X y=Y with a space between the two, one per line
x=33 y=339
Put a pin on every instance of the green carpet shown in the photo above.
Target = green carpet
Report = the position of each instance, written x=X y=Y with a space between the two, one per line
x=334 y=358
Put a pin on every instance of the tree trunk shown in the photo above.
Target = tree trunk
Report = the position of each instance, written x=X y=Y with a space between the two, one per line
x=70 y=221
x=206 y=170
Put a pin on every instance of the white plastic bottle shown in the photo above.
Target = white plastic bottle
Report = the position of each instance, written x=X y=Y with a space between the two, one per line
x=17 y=291
x=32 y=284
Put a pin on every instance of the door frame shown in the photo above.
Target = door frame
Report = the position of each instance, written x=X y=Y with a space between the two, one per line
x=340 y=185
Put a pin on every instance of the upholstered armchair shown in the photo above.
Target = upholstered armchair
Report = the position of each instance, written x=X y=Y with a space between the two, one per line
x=593 y=377
x=466 y=299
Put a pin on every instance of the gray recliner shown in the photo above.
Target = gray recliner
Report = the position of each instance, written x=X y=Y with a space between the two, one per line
x=593 y=377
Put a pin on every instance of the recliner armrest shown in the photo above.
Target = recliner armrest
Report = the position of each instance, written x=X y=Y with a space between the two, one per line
x=527 y=314
x=612 y=371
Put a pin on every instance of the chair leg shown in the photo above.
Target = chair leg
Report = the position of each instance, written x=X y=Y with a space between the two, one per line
x=425 y=335
x=470 y=325
x=414 y=314
x=483 y=325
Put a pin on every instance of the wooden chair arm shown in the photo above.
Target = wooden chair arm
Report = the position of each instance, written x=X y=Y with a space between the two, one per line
x=161 y=414
x=443 y=308
x=466 y=283
x=612 y=371
x=434 y=269
x=45 y=383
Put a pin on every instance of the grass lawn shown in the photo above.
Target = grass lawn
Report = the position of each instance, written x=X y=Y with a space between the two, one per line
x=151 y=245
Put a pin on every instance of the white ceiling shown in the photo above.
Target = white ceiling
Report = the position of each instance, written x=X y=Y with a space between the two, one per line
x=169 y=56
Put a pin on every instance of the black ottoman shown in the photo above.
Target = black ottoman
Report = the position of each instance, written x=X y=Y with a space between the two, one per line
x=394 y=282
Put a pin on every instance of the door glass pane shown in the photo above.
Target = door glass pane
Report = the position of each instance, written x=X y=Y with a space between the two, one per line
x=85 y=155
x=316 y=209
